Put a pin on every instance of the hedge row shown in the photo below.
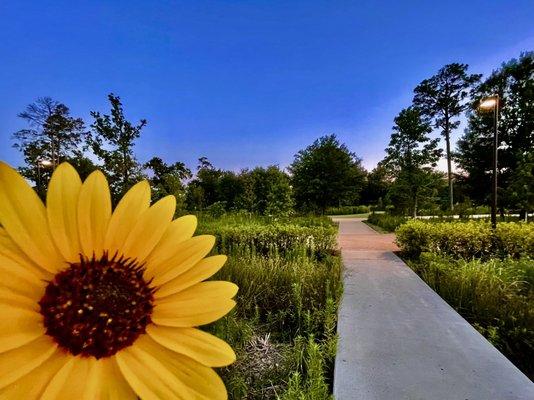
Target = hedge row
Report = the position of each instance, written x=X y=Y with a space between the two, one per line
x=387 y=222
x=276 y=237
x=496 y=296
x=471 y=239
x=348 y=210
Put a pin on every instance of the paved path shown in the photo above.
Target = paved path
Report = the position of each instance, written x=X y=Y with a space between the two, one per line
x=398 y=340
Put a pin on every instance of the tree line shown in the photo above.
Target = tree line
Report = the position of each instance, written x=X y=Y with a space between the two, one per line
x=326 y=173
x=411 y=181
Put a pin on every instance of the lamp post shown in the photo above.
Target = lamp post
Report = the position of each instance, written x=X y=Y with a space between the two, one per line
x=488 y=104
x=41 y=163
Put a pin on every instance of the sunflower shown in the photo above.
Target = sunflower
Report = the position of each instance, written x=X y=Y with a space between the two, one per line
x=96 y=304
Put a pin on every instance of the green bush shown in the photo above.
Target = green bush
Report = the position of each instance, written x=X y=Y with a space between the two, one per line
x=277 y=236
x=283 y=328
x=470 y=239
x=387 y=222
x=496 y=296
x=347 y=210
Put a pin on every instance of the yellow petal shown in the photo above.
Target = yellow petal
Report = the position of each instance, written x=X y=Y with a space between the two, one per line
x=20 y=279
x=9 y=249
x=201 y=271
x=19 y=325
x=31 y=386
x=94 y=213
x=149 y=229
x=130 y=207
x=184 y=257
x=194 y=343
x=61 y=207
x=157 y=373
x=81 y=378
x=113 y=384
x=201 y=304
x=23 y=216
x=178 y=231
x=16 y=363
x=69 y=382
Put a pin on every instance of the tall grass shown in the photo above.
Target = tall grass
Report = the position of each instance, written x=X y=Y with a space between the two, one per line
x=387 y=222
x=283 y=328
x=496 y=296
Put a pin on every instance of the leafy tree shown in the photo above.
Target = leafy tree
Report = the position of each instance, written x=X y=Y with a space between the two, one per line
x=272 y=191
x=167 y=179
x=376 y=186
x=326 y=174
x=52 y=136
x=514 y=83
x=442 y=98
x=112 y=142
x=410 y=158
x=521 y=189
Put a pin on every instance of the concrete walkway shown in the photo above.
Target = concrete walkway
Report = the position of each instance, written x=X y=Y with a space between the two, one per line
x=398 y=340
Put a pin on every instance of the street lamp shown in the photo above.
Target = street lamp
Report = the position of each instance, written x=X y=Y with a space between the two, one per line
x=41 y=163
x=489 y=103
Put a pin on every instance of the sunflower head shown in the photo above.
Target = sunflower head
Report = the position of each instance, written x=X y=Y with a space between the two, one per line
x=105 y=304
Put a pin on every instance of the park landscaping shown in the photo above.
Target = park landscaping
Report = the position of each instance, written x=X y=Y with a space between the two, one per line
x=284 y=326
x=487 y=276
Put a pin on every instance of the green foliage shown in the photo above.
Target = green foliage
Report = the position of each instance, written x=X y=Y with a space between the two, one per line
x=284 y=326
x=265 y=191
x=387 y=222
x=496 y=296
x=112 y=142
x=166 y=179
x=347 y=210
x=377 y=185
x=266 y=235
x=514 y=84
x=410 y=157
x=471 y=239
x=442 y=98
x=326 y=174
x=52 y=136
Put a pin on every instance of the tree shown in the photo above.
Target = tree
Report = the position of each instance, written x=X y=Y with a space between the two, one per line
x=521 y=189
x=326 y=174
x=52 y=136
x=272 y=191
x=167 y=179
x=410 y=158
x=112 y=142
x=442 y=98
x=514 y=83
x=377 y=184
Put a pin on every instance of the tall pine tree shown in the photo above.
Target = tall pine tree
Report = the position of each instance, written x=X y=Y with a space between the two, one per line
x=442 y=98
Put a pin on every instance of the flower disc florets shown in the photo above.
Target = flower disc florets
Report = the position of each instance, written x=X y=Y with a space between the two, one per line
x=97 y=307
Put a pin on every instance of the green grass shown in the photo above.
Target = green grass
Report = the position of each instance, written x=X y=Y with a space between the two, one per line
x=495 y=296
x=375 y=227
x=386 y=222
x=284 y=326
x=363 y=215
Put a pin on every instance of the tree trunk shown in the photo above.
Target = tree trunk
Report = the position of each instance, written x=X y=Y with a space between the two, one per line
x=449 y=163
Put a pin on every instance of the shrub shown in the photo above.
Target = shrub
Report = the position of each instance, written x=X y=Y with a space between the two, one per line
x=277 y=236
x=387 y=222
x=496 y=296
x=347 y=210
x=471 y=239
x=283 y=328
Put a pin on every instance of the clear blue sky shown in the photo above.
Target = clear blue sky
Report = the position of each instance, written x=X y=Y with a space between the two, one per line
x=246 y=82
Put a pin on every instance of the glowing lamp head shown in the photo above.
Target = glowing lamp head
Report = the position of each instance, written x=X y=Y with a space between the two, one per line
x=45 y=163
x=488 y=103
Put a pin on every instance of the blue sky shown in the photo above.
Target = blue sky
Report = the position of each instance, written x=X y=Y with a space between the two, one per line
x=246 y=83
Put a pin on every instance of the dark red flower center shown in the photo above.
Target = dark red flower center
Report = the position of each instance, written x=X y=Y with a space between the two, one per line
x=97 y=307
